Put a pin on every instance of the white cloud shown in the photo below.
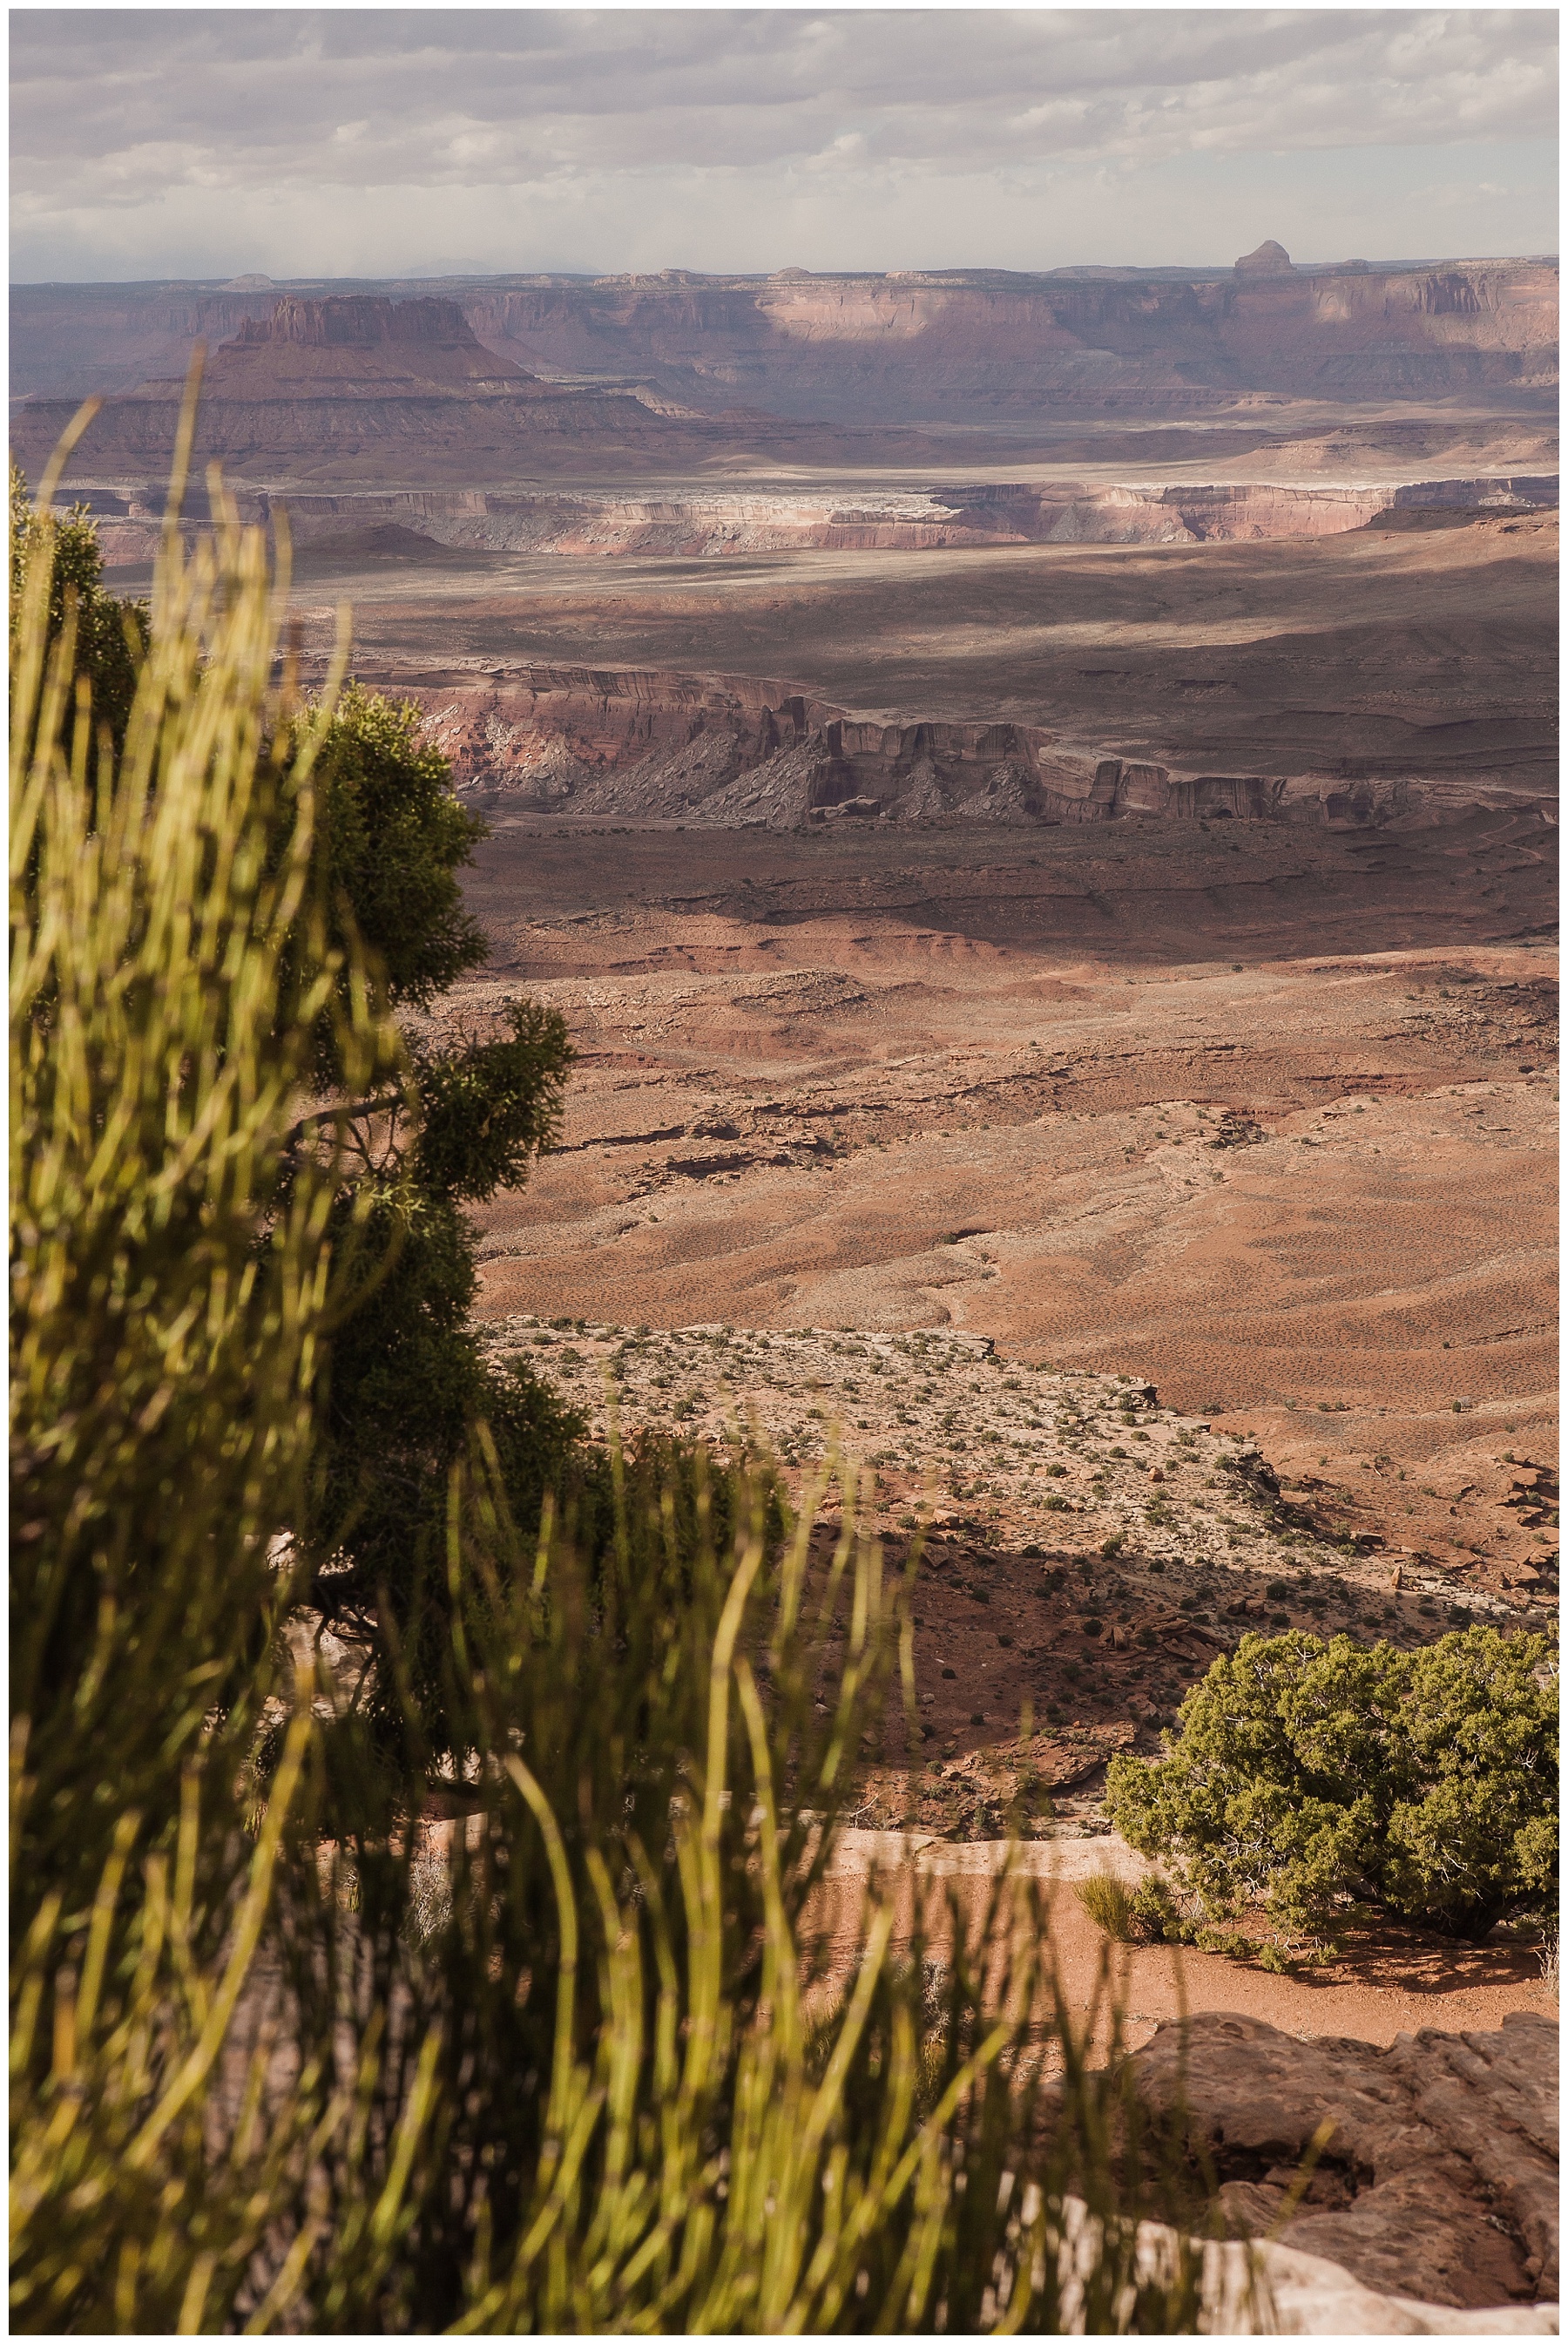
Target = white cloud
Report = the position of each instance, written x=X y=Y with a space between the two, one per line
x=541 y=137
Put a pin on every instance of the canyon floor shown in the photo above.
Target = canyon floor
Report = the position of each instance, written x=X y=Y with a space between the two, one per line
x=1373 y=655
x=1159 y=1213
x=1265 y=1120
x=1163 y=1221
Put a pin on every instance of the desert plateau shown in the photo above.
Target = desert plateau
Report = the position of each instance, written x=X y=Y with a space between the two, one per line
x=1034 y=796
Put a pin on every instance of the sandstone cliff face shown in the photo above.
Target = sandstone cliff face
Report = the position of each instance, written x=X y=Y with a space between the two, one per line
x=950 y=345
x=713 y=522
x=356 y=347
x=747 y=752
x=972 y=346
x=352 y=384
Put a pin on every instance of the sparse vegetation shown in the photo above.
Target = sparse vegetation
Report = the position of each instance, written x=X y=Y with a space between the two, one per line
x=1108 y=1904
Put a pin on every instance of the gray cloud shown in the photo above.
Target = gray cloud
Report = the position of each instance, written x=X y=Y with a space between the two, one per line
x=147 y=142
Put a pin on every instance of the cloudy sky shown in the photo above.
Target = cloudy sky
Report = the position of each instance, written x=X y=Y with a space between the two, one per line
x=198 y=142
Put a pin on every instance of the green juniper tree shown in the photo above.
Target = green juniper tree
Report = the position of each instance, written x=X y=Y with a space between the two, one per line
x=267 y=2074
x=1310 y=1778
x=110 y=633
x=405 y=1384
x=402 y=1389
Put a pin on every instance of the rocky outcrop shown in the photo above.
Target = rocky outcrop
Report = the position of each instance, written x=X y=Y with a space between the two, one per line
x=954 y=345
x=1439 y=2180
x=713 y=522
x=710 y=524
x=743 y=751
x=1276 y=2291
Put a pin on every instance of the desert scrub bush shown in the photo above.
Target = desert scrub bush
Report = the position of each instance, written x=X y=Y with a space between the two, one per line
x=1155 y=1917
x=1108 y=1904
x=1143 y=1915
x=270 y=2069
x=1310 y=1778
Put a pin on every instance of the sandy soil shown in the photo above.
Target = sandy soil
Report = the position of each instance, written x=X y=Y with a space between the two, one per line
x=1309 y=1196
x=1020 y=1094
x=1387 y=1982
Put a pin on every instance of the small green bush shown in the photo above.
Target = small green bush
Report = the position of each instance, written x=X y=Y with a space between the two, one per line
x=1307 y=1777
x=1145 y=1915
x=59 y=555
x=1109 y=1905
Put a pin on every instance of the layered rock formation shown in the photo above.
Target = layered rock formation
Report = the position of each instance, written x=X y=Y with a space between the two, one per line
x=956 y=346
x=975 y=345
x=357 y=347
x=696 y=524
x=348 y=386
x=745 y=753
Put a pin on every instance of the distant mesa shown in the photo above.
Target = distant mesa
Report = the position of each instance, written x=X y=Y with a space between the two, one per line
x=346 y=384
x=361 y=319
x=359 y=340
x=369 y=384
x=1271 y=259
x=245 y=285
x=425 y=334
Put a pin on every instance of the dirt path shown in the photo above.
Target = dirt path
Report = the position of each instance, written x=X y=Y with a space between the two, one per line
x=1387 y=1983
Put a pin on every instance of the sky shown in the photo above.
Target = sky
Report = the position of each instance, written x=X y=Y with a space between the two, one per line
x=210 y=143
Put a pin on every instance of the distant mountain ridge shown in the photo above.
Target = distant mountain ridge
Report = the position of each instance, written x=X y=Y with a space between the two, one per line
x=939 y=346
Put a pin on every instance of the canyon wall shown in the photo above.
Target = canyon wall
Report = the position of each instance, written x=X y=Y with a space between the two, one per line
x=718 y=521
x=940 y=345
x=751 y=752
x=355 y=388
x=366 y=431
x=974 y=346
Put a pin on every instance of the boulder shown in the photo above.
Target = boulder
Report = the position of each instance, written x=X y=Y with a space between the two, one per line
x=1271 y=2290
x=1439 y=2178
